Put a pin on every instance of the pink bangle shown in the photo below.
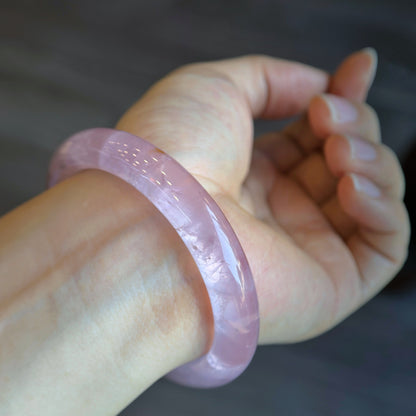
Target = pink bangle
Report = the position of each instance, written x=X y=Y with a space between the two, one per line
x=202 y=226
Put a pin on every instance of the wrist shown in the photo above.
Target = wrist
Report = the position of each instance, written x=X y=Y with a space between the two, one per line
x=111 y=274
x=145 y=274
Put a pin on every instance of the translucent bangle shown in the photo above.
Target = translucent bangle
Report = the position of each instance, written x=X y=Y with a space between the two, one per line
x=202 y=226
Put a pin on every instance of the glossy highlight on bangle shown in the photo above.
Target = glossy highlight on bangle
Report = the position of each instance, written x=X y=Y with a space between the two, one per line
x=202 y=226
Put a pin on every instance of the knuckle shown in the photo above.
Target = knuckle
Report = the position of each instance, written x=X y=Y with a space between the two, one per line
x=371 y=119
x=395 y=176
x=403 y=235
x=369 y=111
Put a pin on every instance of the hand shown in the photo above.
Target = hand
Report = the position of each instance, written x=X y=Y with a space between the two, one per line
x=317 y=206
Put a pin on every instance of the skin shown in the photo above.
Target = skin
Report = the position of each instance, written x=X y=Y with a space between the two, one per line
x=96 y=313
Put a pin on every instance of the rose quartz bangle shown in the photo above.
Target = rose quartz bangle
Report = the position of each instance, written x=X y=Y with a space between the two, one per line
x=202 y=226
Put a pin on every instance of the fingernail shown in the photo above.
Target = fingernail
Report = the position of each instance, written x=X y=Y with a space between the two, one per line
x=361 y=149
x=365 y=186
x=341 y=110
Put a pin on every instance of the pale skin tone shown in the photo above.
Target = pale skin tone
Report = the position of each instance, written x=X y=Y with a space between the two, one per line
x=97 y=295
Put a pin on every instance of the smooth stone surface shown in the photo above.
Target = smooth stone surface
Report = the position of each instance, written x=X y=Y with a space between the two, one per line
x=202 y=226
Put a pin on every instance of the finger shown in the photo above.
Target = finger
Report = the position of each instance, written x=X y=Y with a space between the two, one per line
x=307 y=166
x=354 y=76
x=315 y=178
x=380 y=243
x=329 y=114
x=352 y=80
x=341 y=222
x=312 y=174
x=348 y=154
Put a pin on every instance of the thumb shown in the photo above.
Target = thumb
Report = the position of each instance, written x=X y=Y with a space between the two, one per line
x=274 y=88
x=202 y=114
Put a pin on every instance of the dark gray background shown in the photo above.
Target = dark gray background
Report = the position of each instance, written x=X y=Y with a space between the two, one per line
x=68 y=65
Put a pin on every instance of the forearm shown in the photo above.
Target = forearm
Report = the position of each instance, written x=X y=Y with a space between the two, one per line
x=99 y=298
